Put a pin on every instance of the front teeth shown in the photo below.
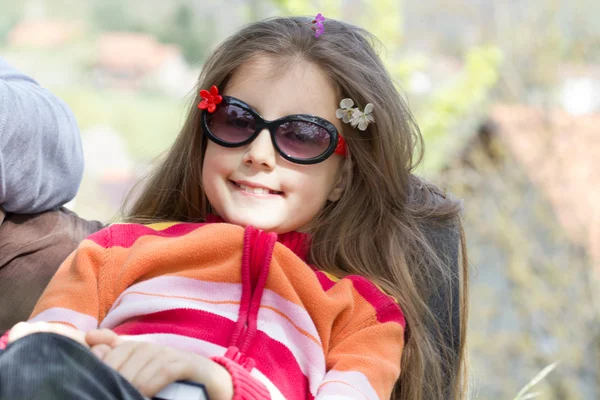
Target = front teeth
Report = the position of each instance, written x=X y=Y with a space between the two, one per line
x=254 y=190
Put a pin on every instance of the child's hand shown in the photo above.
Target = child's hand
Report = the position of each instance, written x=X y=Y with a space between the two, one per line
x=23 y=329
x=151 y=367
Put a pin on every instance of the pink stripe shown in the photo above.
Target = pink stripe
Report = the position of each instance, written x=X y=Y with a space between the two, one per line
x=324 y=280
x=278 y=364
x=191 y=323
x=4 y=340
x=125 y=235
x=379 y=300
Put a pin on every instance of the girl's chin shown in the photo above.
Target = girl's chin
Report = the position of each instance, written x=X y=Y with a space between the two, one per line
x=266 y=223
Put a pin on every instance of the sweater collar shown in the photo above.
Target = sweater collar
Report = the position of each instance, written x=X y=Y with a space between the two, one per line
x=297 y=242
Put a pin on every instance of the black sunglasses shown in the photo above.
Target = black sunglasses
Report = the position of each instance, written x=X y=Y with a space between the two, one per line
x=299 y=138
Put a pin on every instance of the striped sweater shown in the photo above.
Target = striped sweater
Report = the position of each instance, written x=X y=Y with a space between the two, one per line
x=243 y=297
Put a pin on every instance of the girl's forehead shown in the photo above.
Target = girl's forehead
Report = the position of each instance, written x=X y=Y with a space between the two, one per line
x=276 y=89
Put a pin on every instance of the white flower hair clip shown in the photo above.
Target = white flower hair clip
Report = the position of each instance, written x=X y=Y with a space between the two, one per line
x=353 y=115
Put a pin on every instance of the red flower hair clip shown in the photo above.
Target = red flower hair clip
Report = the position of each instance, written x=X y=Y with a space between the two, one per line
x=341 y=147
x=210 y=99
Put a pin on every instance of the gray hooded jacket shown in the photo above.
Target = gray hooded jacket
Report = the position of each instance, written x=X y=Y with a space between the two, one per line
x=41 y=158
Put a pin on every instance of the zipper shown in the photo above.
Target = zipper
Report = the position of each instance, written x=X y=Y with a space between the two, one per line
x=256 y=258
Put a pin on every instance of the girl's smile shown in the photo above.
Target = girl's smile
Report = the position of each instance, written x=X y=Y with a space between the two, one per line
x=257 y=190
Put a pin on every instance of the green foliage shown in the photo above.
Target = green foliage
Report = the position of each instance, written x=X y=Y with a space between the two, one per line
x=193 y=40
x=448 y=117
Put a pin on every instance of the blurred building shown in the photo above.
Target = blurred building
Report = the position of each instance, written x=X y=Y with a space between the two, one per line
x=135 y=61
x=559 y=153
x=43 y=33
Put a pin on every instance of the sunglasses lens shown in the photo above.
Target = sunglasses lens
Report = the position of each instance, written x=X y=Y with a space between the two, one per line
x=231 y=123
x=302 y=140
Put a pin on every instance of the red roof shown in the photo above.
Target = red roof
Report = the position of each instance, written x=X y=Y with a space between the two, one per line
x=561 y=155
x=43 y=33
x=133 y=51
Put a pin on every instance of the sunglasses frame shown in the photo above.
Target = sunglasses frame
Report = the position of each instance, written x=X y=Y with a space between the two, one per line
x=272 y=126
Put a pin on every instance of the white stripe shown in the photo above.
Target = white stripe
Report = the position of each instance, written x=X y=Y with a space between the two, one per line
x=355 y=379
x=185 y=287
x=293 y=311
x=82 y=321
x=308 y=354
x=197 y=346
x=273 y=391
x=336 y=390
x=135 y=305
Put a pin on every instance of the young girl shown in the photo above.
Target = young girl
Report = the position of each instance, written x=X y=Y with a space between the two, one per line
x=297 y=266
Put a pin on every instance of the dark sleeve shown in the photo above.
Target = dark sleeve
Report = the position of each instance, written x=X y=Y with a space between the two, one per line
x=444 y=298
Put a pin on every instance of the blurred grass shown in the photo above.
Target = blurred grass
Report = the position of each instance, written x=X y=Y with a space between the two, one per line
x=147 y=122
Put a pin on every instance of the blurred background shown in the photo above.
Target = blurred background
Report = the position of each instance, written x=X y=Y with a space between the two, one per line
x=506 y=93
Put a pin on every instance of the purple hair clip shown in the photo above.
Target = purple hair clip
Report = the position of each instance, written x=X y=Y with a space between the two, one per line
x=318 y=25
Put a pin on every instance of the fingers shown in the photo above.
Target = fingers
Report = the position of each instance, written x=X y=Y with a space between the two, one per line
x=102 y=336
x=117 y=357
x=69 y=332
x=101 y=350
x=158 y=374
x=137 y=360
x=148 y=367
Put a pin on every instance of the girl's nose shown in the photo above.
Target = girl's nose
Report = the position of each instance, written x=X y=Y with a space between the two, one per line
x=261 y=153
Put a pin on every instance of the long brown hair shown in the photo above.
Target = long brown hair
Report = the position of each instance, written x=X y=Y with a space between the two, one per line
x=377 y=228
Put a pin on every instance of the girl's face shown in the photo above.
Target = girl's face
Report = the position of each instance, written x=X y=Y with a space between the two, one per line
x=292 y=194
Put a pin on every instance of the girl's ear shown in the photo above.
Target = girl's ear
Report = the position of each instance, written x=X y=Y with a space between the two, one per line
x=343 y=179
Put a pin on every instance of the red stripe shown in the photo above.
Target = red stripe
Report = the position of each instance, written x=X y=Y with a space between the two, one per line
x=279 y=365
x=4 y=340
x=100 y=237
x=324 y=280
x=126 y=235
x=185 y=322
x=387 y=309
